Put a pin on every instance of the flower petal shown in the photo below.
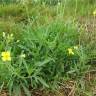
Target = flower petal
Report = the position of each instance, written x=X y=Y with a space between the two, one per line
x=8 y=58
x=3 y=53
x=4 y=59
x=8 y=53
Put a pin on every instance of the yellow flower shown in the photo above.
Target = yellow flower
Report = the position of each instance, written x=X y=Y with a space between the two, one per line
x=70 y=51
x=6 y=56
x=94 y=12
x=75 y=47
x=22 y=55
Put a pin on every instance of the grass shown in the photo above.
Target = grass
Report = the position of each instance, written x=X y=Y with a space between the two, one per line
x=47 y=46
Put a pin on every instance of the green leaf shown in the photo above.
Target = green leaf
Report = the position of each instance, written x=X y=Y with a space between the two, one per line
x=17 y=90
x=10 y=87
x=43 y=82
x=42 y=63
x=1 y=87
x=71 y=71
x=27 y=92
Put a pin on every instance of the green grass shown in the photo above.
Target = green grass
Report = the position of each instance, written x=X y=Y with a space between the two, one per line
x=38 y=36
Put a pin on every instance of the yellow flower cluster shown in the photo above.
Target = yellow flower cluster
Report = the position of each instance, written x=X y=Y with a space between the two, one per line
x=6 y=56
x=70 y=50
